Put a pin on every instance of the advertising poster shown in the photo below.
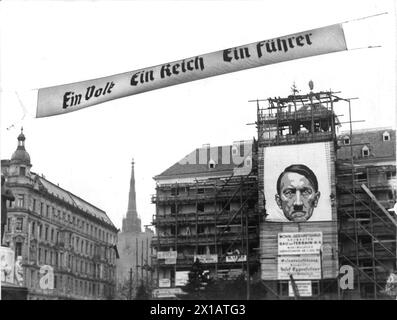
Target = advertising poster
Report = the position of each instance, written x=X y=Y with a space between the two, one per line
x=300 y=267
x=299 y=243
x=297 y=184
x=304 y=288
x=181 y=278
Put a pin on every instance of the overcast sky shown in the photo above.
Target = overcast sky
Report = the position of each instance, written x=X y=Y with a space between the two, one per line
x=89 y=152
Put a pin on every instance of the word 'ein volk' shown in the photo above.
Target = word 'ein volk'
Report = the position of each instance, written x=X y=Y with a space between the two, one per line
x=71 y=99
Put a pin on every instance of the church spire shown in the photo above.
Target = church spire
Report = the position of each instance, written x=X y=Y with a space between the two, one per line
x=131 y=223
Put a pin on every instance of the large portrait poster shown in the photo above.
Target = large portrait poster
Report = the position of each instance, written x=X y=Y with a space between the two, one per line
x=297 y=182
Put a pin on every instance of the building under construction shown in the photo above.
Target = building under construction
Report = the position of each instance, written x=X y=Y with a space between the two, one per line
x=289 y=208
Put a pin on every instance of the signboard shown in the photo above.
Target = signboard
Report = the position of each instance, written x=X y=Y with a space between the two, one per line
x=70 y=97
x=304 y=288
x=166 y=293
x=170 y=261
x=206 y=258
x=164 y=283
x=181 y=278
x=167 y=254
x=300 y=267
x=299 y=243
x=229 y=274
x=7 y=265
x=297 y=185
x=236 y=258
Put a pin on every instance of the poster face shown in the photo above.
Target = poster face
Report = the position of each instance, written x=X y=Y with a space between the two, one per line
x=300 y=267
x=297 y=182
x=299 y=243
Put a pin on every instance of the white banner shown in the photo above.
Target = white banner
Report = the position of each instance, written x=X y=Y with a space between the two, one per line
x=299 y=243
x=206 y=258
x=164 y=283
x=304 y=288
x=300 y=267
x=236 y=258
x=166 y=293
x=181 y=278
x=75 y=96
x=167 y=254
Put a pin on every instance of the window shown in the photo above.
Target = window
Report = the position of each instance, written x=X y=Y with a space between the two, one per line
x=346 y=140
x=211 y=164
x=200 y=190
x=41 y=208
x=52 y=235
x=34 y=205
x=18 y=249
x=19 y=225
x=174 y=191
x=22 y=171
x=200 y=207
x=21 y=200
x=173 y=208
x=248 y=162
x=386 y=136
x=365 y=151
x=234 y=150
x=46 y=233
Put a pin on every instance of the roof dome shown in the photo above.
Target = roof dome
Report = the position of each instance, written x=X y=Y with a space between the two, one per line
x=21 y=155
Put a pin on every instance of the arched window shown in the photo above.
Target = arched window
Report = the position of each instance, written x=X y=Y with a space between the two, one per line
x=234 y=150
x=211 y=164
x=248 y=161
x=386 y=136
x=365 y=152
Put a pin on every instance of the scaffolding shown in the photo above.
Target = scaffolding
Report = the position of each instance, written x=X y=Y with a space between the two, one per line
x=366 y=234
x=218 y=214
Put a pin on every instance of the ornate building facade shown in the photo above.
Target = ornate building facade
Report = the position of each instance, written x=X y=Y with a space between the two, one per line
x=50 y=226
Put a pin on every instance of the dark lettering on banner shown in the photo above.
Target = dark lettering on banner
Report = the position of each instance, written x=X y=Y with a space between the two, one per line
x=171 y=69
x=236 y=54
x=71 y=99
x=61 y=99
x=142 y=77
x=278 y=44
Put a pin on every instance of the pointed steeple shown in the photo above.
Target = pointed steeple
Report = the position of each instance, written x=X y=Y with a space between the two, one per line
x=131 y=223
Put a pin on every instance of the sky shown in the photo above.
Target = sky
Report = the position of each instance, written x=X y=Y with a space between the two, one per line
x=89 y=152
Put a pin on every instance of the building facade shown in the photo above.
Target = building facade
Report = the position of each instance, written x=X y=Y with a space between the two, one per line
x=206 y=210
x=50 y=226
